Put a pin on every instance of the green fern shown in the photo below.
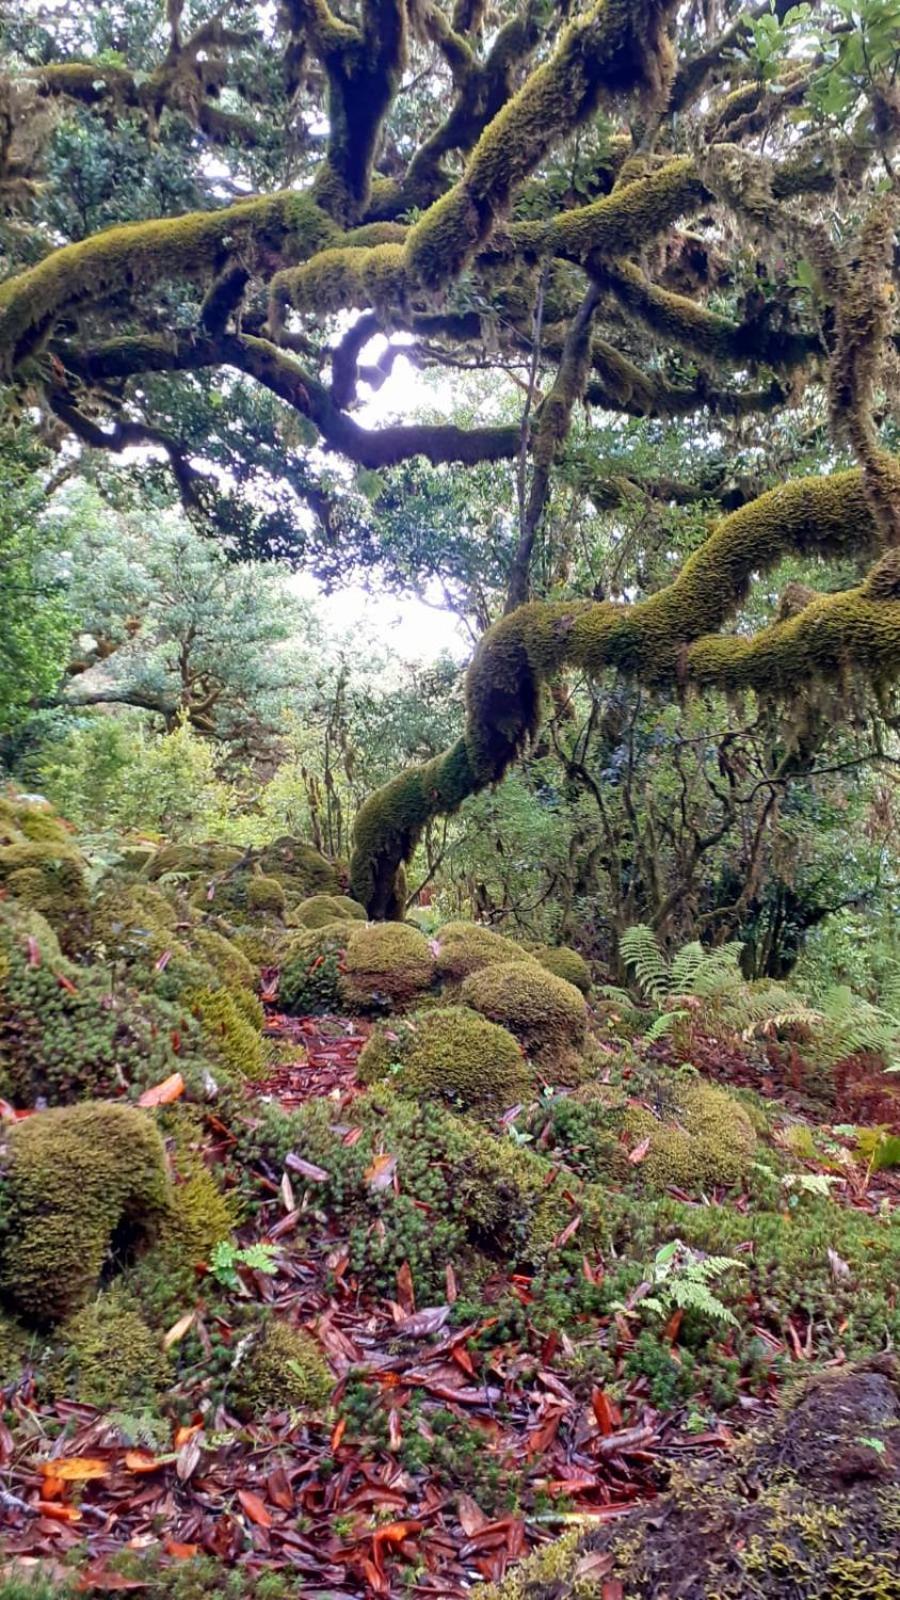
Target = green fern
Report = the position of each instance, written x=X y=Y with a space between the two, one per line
x=664 y=1024
x=640 y=950
x=682 y=1278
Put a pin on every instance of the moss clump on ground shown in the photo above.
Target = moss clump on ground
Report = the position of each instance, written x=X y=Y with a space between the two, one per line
x=48 y=877
x=265 y=895
x=283 y=1371
x=109 y=1357
x=226 y=1026
x=566 y=963
x=186 y=859
x=299 y=867
x=310 y=980
x=86 y=1187
x=547 y=1015
x=129 y=917
x=230 y=965
x=808 y=1511
x=320 y=909
x=386 y=965
x=704 y=1137
x=14 y=1346
x=449 y=1053
x=464 y=947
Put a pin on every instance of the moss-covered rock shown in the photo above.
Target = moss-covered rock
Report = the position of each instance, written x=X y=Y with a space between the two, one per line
x=547 y=1015
x=464 y=947
x=85 y=1188
x=14 y=1348
x=449 y=1053
x=40 y=825
x=320 y=909
x=564 y=962
x=386 y=965
x=807 y=1511
x=108 y=1356
x=263 y=945
x=187 y=859
x=299 y=867
x=234 y=1037
x=283 y=1371
x=310 y=980
x=229 y=963
x=701 y=1137
x=128 y=917
x=48 y=876
x=265 y=895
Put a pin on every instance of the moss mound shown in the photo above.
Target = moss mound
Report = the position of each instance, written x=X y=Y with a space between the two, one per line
x=386 y=965
x=128 y=917
x=86 y=1187
x=310 y=981
x=449 y=1053
x=564 y=962
x=702 y=1137
x=285 y=1370
x=48 y=876
x=263 y=945
x=320 y=909
x=807 y=1512
x=464 y=947
x=265 y=895
x=227 y=961
x=186 y=859
x=546 y=1014
x=109 y=1357
x=299 y=867
x=226 y=1025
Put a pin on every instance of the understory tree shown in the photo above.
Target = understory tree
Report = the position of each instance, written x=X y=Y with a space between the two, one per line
x=641 y=210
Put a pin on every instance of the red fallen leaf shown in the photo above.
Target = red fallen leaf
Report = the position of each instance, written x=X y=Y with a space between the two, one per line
x=181 y=1552
x=450 y=1280
x=141 y=1461
x=406 y=1293
x=52 y=1489
x=175 y=1037
x=613 y=1589
x=66 y=983
x=380 y=1175
x=57 y=1512
x=422 y=1323
x=594 y=1564
x=351 y=1137
x=568 y=1232
x=640 y=1151
x=162 y=1094
x=279 y=1490
x=306 y=1169
x=338 y=1433
x=75 y=1469
x=462 y=1358
x=670 y=1331
x=34 y=951
x=255 y=1508
x=395 y=1532
x=395 y=1431
x=163 y=962
x=608 y=1415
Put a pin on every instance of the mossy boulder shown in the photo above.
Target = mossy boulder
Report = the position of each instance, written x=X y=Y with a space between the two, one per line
x=387 y=965
x=263 y=945
x=15 y=1342
x=186 y=859
x=807 y=1510
x=229 y=963
x=265 y=896
x=130 y=917
x=320 y=909
x=39 y=824
x=85 y=1189
x=310 y=980
x=235 y=1038
x=547 y=1015
x=299 y=867
x=700 y=1137
x=564 y=962
x=108 y=1357
x=48 y=877
x=284 y=1370
x=449 y=1053
x=464 y=947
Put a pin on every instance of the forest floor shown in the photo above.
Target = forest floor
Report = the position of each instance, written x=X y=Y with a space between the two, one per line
x=373 y=1521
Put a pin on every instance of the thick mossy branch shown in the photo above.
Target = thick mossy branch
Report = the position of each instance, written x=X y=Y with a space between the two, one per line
x=669 y=638
x=139 y=255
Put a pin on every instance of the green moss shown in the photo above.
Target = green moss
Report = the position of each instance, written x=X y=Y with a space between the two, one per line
x=109 y=1357
x=320 y=909
x=464 y=947
x=225 y=1024
x=566 y=963
x=263 y=946
x=129 y=916
x=546 y=1014
x=299 y=867
x=48 y=877
x=704 y=1138
x=40 y=826
x=199 y=1217
x=310 y=979
x=284 y=1371
x=386 y=965
x=187 y=859
x=228 y=963
x=265 y=894
x=14 y=1347
x=86 y=1186
x=452 y=1054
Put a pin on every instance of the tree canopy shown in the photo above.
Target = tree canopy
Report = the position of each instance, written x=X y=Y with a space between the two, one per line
x=679 y=214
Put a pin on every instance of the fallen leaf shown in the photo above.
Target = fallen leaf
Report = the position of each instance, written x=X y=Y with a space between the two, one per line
x=76 y=1469
x=640 y=1151
x=162 y=1094
x=57 y=1512
x=181 y=1552
x=34 y=951
x=279 y=1489
x=141 y=1461
x=255 y=1508
x=422 y=1323
x=306 y=1169
x=178 y=1330
x=380 y=1175
x=471 y=1517
x=594 y=1564
x=839 y=1267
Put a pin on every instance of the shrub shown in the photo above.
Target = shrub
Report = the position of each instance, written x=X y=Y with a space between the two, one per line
x=451 y=1053
x=464 y=947
x=284 y=1370
x=546 y=1014
x=386 y=965
x=86 y=1186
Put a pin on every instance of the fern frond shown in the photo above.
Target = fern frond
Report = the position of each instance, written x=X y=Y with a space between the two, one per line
x=663 y=1025
x=640 y=950
x=686 y=964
